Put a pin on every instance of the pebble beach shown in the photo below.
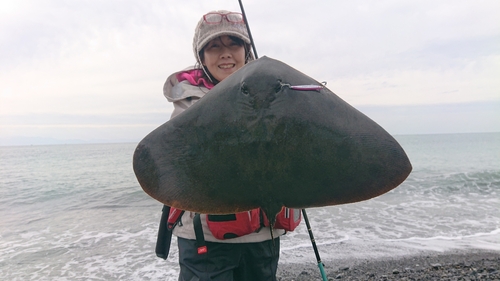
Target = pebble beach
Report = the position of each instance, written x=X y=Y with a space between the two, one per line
x=454 y=265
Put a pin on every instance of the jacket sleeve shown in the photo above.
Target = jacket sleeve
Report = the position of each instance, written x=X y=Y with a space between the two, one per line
x=181 y=94
x=183 y=104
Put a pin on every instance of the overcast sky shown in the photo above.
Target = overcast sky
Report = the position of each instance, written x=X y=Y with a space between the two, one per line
x=93 y=71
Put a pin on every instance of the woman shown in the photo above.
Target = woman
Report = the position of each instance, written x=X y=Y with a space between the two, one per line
x=221 y=46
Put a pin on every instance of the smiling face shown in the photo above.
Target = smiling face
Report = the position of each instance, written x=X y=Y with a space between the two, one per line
x=222 y=56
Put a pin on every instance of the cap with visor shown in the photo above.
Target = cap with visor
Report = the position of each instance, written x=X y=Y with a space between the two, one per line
x=219 y=23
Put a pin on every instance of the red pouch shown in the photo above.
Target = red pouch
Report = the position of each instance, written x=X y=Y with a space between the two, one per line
x=234 y=225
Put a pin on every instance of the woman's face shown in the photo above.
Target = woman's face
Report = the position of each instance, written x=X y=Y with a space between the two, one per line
x=223 y=56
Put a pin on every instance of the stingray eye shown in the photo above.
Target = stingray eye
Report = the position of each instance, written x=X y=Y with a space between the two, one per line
x=244 y=89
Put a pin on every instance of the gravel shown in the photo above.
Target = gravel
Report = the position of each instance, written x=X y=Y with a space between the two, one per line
x=469 y=265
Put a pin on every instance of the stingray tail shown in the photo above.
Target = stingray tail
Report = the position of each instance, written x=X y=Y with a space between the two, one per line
x=271 y=229
x=271 y=214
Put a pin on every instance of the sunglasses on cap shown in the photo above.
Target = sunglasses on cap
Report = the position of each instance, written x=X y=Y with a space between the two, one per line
x=216 y=18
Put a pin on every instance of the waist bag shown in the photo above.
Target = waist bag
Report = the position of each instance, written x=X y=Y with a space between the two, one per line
x=243 y=223
x=234 y=225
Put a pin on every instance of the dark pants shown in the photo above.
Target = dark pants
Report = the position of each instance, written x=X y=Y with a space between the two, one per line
x=229 y=261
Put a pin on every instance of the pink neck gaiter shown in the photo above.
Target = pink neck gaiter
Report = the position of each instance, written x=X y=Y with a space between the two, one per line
x=194 y=77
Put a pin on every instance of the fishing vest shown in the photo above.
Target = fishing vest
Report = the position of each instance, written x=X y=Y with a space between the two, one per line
x=236 y=225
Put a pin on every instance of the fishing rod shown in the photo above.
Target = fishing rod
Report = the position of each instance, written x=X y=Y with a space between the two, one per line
x=248 y=29
x=316 y=252
x=304 y=214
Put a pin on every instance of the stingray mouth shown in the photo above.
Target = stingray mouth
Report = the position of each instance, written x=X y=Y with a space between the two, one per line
x=227 y=65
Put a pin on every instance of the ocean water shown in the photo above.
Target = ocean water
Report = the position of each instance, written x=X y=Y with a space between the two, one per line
x=76 y=212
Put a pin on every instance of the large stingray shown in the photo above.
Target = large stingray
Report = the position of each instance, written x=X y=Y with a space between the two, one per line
x=254 y=140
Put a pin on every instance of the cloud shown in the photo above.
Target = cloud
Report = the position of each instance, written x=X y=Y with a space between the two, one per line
x=442 y=118
x=83 y=63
